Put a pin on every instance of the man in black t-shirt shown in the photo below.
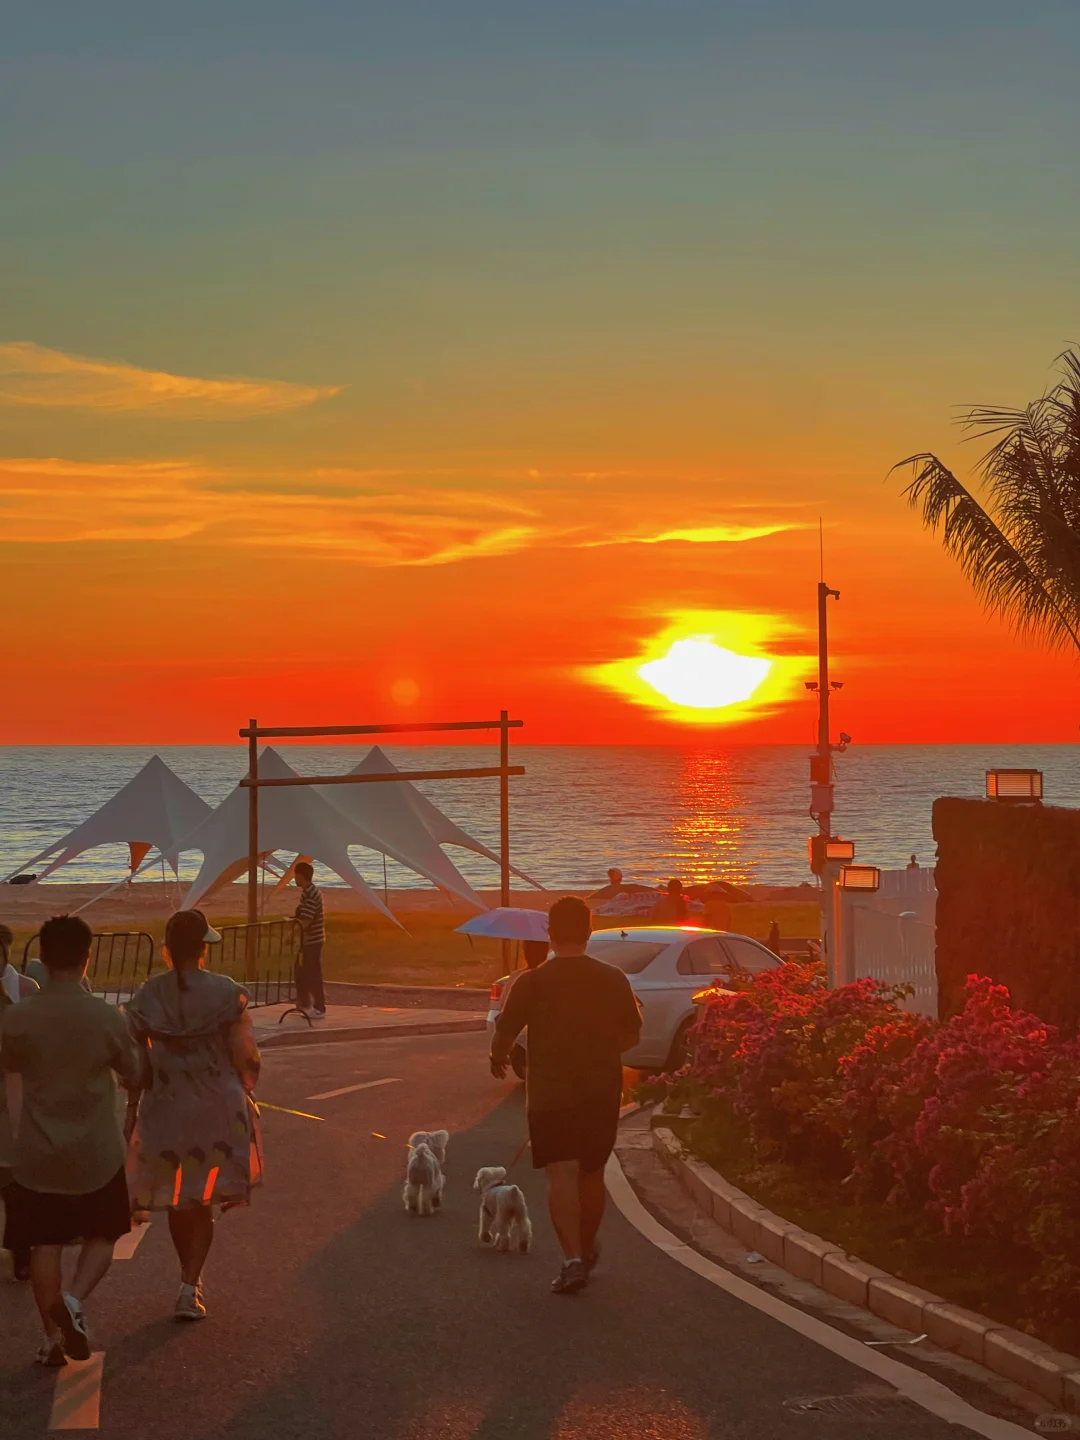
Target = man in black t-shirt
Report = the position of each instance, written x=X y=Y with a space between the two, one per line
x=581 y=1016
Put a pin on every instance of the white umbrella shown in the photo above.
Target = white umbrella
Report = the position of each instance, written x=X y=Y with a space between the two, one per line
x=508 y=923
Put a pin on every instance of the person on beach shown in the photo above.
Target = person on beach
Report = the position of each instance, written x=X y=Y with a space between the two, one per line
x=68 y=1158
x=581 y=1015
x=534 y=953
x=671 y=908
x=614 y=887
x=196 y=1139
x=913 y=863
x=310 y=995
x=773 y=942
x=13 y=988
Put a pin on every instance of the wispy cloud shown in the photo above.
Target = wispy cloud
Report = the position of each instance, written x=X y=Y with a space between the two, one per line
x=702 y=535
x=36 y=377
x=386 y=517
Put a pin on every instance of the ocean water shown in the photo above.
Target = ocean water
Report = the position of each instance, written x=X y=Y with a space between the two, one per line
x=699 y=811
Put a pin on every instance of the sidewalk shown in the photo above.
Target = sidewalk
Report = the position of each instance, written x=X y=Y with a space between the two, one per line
x=358 y=1022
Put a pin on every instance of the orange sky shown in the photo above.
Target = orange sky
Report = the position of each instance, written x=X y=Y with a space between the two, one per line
x=179 y=638
x=560 y=345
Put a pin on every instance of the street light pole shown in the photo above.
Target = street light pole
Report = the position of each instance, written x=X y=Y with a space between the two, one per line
x=824 y=748
x=821 y=791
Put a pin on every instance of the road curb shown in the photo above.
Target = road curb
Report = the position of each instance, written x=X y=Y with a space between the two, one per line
x=1018 y=1357
x=315 y=1036
x=429 y=997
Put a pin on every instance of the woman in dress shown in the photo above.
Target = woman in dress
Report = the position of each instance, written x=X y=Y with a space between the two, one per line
x=196 y=1140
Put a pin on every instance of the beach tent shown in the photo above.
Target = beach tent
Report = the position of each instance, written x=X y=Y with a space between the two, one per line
x=293 y=818
x=439 y=826
x=388 y=814
x=155 y=809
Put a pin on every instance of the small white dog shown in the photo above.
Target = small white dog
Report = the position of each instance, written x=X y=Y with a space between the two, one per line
x=435 y=1140
x=424 y=1179
x=504 y=1215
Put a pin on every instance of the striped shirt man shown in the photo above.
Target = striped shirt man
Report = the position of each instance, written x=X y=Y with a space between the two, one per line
x=310 y=914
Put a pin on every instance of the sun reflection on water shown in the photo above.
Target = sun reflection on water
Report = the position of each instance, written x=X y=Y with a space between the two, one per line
x=709 y=820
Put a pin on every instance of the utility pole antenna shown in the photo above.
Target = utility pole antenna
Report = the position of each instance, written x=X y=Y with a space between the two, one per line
x=821 y=548
x=821 y=783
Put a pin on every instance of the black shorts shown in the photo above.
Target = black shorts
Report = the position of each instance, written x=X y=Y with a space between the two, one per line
x=585 y=1133
x=35 y=1217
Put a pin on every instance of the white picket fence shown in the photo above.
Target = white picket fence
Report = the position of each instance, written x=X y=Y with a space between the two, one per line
x=898 y=949
x=890 y=935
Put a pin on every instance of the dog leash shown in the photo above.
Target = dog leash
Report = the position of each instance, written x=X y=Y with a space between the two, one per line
x=524 y=1146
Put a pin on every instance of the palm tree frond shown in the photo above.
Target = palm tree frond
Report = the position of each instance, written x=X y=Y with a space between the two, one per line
x=1001 y=574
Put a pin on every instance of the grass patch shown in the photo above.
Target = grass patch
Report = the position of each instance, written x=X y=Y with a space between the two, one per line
x=365 y=949
x=981 y=1276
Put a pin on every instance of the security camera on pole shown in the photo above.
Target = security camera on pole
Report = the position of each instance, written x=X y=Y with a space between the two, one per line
x=827 y=852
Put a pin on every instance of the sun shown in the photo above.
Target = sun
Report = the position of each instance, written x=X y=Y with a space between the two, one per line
x=698 y=673
x=711 y=668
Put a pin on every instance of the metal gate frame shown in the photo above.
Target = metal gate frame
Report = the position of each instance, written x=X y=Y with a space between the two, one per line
x=123 y=959
x=263 y=957
x=254 y=732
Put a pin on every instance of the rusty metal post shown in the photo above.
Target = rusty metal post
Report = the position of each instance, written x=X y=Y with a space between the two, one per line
x=250 y=958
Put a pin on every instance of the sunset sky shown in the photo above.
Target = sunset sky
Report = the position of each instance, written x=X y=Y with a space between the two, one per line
x=366 y=362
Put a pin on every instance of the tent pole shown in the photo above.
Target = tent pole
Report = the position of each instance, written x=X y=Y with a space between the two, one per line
x=253 y=851
x=504 y=822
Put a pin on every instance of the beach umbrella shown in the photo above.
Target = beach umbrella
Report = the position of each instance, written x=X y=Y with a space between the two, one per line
x=508 y=923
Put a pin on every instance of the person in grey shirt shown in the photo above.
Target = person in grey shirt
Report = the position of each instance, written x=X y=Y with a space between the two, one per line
x=68 y=1181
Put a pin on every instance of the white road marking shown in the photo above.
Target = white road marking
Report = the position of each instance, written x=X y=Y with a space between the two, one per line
x=126 y=1246
x=349 y=1089
x=77 y=1396
x=930 y=1394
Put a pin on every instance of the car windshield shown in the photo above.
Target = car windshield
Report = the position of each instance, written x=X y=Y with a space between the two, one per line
x=631 y=956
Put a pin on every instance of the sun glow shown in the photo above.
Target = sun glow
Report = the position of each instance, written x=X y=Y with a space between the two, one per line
x=698 y=673
x=712 y=668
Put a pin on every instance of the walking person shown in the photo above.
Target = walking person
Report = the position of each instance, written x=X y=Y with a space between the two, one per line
x=310 y=995
x=196 y=1140
x=13 y=988
x=68 y=1158
x=582 y=1015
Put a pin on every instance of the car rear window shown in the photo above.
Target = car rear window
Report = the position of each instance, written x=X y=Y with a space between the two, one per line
x=631 y=956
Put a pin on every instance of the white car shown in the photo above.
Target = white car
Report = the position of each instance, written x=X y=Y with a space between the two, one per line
x=667 y=965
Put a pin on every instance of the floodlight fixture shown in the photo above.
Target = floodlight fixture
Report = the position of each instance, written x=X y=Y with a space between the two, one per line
x=1022 y=786
x=866 y=878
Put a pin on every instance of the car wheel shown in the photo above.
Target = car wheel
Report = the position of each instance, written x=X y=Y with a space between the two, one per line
x=679 y=1053
x=519 y=1061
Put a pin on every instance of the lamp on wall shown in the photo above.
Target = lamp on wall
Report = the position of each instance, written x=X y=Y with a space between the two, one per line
x=866 y=878
x=1016 y=785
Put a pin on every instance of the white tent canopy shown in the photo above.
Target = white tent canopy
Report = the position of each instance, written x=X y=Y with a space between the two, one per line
x=293 y=818
x=439 y=826
x=154 y=808
x=385 y=813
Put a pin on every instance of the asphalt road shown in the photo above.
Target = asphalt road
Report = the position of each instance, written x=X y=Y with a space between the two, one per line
x=336 y=1314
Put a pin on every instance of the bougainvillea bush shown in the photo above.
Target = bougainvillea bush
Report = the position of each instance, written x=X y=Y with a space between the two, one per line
x=971 y=1125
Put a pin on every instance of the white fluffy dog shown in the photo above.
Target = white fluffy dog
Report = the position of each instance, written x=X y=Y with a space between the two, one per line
x=424 y=1179
x=504 y=1215
x=435 y=1140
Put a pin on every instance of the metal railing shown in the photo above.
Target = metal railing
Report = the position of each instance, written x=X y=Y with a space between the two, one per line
x=119 y=962
x=262 y=957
